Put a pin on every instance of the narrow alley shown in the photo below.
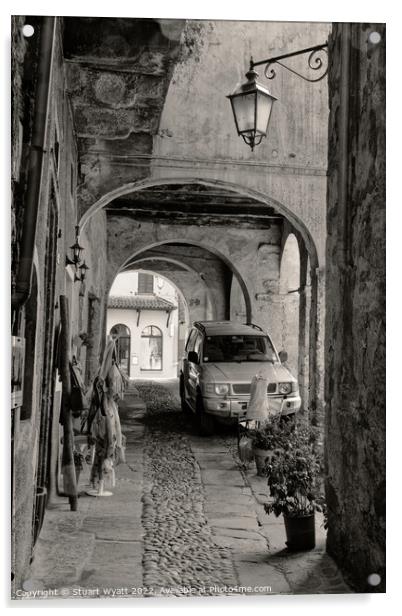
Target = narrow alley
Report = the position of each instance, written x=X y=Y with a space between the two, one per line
x=207 y=239
x=185 y=519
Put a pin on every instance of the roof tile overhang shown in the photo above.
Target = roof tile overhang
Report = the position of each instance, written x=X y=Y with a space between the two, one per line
x=136 y=302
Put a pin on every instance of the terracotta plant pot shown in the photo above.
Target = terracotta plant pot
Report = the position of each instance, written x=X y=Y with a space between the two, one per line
x=300 y=532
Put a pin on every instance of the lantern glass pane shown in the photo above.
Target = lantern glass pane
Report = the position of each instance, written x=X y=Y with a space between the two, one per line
x=244 y=110
x=264 y=108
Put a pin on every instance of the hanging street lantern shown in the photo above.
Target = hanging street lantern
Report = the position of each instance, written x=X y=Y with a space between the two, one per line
x=252 y=107
x=252 y=103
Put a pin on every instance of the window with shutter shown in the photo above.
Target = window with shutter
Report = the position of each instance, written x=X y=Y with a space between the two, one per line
x=145 y=283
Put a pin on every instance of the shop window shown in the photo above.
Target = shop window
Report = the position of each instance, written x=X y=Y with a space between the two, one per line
x=151 y=348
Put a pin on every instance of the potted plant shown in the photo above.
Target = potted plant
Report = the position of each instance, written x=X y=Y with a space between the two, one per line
x=293 y=476
x=271 y=435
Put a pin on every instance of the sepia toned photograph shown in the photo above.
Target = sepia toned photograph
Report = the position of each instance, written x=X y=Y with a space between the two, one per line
x=197 y=308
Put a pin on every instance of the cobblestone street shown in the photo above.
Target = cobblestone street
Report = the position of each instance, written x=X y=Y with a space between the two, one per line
x=185 y=519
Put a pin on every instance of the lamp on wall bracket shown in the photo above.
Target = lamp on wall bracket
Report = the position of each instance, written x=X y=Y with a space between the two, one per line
x=76 y=248
x=76 y=261
x=252 y=102
x=83 y=269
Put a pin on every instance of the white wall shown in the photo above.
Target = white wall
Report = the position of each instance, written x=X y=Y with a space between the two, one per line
x=126 y=284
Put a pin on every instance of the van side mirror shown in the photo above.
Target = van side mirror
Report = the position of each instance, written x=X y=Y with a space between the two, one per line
x=193 y=357
x=283 y=356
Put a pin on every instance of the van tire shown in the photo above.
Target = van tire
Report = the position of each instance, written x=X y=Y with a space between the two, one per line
x=206 y=423
x=184 y=406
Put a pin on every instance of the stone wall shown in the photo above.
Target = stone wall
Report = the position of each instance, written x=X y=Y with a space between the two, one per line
x=36 y=426
x=355 y=304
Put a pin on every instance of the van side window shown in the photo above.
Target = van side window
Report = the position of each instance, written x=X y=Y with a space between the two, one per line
x=197 y=344
x=190 y=340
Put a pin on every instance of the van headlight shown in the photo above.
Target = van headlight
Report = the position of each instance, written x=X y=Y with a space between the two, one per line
x=285 y=388
x=217 y=388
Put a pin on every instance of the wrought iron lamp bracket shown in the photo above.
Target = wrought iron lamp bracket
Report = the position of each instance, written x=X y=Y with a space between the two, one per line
x=317 y=61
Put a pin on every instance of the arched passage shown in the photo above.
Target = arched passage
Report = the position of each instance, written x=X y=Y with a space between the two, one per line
x=257 y=274
x=208 y=248
x=192 y=289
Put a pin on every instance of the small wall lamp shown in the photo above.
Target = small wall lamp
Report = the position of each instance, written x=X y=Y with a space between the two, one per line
x=77 y=250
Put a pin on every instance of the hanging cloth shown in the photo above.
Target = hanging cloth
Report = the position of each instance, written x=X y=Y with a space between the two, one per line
x=258 y=404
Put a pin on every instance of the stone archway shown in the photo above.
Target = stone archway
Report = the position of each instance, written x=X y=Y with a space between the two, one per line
x=195 y=308
x=263 y=303
x=209 y=247
x=244 y=191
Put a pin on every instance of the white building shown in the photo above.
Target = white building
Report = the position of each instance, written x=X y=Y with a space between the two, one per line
x=142 y=315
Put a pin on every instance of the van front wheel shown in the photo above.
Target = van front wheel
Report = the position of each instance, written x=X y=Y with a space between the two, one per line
x=184 y=406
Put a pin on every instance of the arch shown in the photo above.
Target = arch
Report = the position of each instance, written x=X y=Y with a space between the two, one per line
x=184 y=266
x=160 y=258
x=217 y=253
x=306 y=242
x=241 y=190
x=119 y=330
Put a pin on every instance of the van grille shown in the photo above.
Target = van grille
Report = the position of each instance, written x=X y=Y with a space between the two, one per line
x=244 y=388
x=241 y=388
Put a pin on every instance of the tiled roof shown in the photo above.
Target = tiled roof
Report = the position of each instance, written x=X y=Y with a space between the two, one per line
x=138 y=302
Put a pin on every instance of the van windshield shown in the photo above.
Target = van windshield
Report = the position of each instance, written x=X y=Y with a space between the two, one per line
x=238 y=348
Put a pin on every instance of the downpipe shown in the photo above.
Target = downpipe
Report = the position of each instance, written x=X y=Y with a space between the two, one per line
x=23 y=285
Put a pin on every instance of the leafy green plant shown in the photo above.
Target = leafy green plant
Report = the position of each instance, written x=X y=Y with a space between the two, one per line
x=293 y=478
x=79 y=459
x=273 y=434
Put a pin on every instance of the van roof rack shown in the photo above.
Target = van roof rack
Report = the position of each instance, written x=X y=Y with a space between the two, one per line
x=254 y=326
x=199 y=325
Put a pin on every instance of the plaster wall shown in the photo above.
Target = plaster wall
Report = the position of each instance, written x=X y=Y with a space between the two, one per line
x=36 y=435
x=196 y=138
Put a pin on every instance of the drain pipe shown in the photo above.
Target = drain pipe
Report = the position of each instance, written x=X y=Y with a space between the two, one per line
x=22 y=289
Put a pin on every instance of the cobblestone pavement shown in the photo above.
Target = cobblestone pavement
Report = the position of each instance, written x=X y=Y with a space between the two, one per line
x=185 y=519
x=179 y=548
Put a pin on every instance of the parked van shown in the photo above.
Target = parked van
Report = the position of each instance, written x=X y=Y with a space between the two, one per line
x=221 y=358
